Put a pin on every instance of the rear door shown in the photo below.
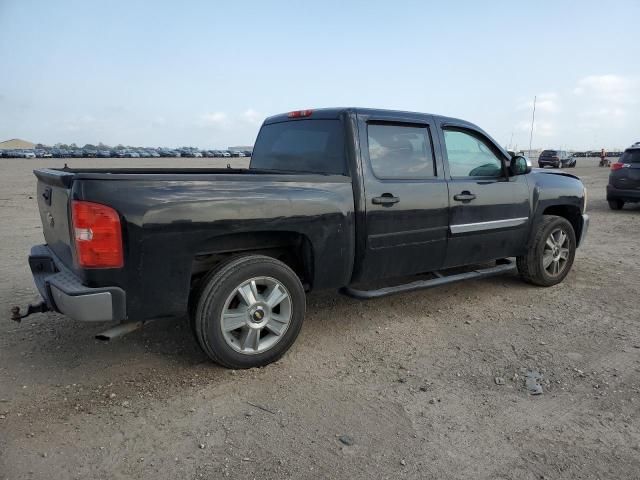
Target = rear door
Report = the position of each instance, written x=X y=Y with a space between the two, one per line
x=489 y=210
x=406 y=196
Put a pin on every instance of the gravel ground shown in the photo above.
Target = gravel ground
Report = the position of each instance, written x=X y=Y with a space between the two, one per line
x=427 y=384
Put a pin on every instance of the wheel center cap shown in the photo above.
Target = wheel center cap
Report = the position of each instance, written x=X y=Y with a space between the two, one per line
x=257 y=315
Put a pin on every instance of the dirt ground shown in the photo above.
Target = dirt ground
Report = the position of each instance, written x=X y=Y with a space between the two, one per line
x=402 y=387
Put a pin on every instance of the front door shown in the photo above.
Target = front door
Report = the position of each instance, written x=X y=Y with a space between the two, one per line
x=406 y=197
x=489 y=210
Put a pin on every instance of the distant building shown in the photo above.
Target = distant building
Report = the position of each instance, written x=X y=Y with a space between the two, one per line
x=246 y=148
x=16 y=144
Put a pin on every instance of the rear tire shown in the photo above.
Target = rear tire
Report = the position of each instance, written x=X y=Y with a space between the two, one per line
x=262 y=298
x=616 y=204
x=550 y=252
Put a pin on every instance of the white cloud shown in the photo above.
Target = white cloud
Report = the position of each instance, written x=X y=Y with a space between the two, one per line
x=609 y=88
x=213 y=119
x=604 y=112
x=252 y=117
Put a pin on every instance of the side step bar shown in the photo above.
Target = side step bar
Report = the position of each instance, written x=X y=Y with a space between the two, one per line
x=503 y=266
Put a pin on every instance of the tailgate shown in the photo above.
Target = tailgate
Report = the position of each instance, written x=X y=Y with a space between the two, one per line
x=54 y=187
x=627 y=178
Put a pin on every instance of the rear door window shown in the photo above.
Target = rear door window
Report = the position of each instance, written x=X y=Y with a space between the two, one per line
x=313 y=146
x=400 y=151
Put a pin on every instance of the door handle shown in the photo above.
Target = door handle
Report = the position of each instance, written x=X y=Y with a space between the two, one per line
x=465 y=196
x=385 y=199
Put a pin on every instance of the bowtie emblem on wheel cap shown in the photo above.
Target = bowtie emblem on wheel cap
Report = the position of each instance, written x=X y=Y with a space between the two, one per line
x=258 y=315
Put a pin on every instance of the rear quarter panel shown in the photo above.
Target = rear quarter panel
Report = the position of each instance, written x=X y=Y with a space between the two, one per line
x=166 y=223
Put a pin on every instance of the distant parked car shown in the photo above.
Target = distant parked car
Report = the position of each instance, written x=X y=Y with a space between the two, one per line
x=556 y=158
x=197 y=154
x=25 y=154
x=191 y=153
x=47 y=154
x=624 y=179
x=103 y=153
x=226 y=154
x=248 y=153
x=89 y=153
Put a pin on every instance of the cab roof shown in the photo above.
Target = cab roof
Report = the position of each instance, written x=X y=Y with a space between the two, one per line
x=336 y=112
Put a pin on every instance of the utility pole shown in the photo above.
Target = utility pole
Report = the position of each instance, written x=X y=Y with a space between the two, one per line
x=533 y=119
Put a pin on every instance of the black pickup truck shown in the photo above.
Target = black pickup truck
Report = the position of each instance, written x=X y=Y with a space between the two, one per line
x=333 y=198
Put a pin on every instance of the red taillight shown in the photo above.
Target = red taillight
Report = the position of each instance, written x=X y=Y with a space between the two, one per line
x=300 y=113
x=618 y=166
x=97 y=235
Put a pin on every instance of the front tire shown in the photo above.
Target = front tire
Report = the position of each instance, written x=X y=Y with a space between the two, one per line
x=615 y=204
x=550 y=252
x=249 y=312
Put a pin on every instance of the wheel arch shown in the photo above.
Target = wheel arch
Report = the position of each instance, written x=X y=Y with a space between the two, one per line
x=292 y=248
x=569 y=212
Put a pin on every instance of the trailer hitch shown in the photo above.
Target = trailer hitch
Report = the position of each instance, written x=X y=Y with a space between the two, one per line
x=16 y=316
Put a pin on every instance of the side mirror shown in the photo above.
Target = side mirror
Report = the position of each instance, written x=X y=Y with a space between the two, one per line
x=520 y=165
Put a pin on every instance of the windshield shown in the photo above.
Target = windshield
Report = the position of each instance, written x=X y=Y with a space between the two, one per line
x=315 y=146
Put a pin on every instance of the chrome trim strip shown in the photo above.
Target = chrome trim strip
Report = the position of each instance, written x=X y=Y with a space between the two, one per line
x=491 y=225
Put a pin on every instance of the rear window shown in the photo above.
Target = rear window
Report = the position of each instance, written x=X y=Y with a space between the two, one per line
x=314 y=146
x=630 y=156
x=549 y=153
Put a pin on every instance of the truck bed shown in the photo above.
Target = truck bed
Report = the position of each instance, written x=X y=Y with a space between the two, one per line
x=174 y=221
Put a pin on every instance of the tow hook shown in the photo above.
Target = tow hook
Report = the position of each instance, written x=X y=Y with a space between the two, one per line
x=16 y=316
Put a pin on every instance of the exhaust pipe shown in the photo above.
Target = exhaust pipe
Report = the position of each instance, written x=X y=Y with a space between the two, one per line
x=119 y=330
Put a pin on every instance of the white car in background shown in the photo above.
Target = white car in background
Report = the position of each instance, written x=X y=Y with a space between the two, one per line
x=25 y=154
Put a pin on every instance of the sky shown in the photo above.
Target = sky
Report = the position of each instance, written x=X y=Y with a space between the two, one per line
x=206 y=73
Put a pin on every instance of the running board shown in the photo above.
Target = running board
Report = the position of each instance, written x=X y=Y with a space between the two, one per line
x=503 y=266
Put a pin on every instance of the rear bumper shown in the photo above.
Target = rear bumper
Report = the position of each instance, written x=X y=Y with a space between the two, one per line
x=585 y=229
x=63 y=291
x=548 y=163
x=614 y=193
